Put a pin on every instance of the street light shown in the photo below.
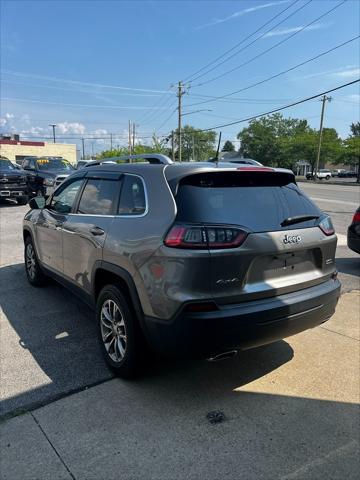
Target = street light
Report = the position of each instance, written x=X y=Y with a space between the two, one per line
x=53 y=125
x=196 y=111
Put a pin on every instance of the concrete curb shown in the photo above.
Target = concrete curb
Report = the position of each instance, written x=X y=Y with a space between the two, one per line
x=328 y=182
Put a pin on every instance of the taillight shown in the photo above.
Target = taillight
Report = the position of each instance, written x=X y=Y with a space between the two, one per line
x=326 y=226
x=356 y=218
x=203 y=237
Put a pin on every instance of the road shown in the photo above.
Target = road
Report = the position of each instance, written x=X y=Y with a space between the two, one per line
x=340 y=202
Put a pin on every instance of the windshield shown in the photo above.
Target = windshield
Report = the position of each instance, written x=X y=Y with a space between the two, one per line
x=6 y=165
x=54 y=164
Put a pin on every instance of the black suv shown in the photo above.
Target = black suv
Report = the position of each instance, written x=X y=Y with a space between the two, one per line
x=13 y=182
x=192 y=258
x=46 y=173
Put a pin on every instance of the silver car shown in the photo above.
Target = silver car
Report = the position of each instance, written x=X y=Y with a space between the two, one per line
x=187 y=259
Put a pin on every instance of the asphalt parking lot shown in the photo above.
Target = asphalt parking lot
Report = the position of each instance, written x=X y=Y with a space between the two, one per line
x=290 y=409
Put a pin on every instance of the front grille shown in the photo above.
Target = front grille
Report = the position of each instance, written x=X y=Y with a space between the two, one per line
x=11 y=180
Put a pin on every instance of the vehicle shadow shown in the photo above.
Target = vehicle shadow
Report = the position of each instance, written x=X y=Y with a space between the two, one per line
x=51 y=347
x=54 y=345
x=9 y=203
x=349 y=265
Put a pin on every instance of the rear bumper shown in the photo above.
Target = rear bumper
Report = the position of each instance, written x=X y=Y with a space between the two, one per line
x=245 y=325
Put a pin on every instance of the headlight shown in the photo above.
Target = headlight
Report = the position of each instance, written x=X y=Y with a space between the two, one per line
x=49 y=182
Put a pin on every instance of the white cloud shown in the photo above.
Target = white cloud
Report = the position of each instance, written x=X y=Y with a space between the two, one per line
x=68 y=127
x=6 y=122
x=285 y=31
x=332 y=72
x=355 y=97
x=353 y=73
x=101 y=131
x=240 y=13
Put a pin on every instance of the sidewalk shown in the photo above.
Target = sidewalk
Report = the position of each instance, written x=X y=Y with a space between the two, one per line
x=291 y=412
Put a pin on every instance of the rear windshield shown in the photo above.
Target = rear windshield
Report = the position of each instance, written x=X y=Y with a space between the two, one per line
x=258 y=201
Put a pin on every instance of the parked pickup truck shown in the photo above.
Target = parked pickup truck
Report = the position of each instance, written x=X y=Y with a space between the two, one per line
x=323 y=173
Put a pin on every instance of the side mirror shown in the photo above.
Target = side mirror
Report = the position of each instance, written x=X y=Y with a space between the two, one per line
x=37 y=203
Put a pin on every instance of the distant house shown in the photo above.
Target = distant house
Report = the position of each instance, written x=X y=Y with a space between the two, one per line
x=302 y=167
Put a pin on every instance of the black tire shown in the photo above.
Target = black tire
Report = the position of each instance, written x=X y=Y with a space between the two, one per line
x=327 y=177
x=22 y=200
x=130 y=362
x=35 y=275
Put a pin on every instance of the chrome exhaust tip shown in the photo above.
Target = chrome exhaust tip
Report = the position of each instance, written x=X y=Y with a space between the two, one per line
x=223 y=356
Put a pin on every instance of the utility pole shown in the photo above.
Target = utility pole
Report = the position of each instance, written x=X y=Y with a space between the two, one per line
x=323 y=100
x=172 y=146
x=110 y=141
x=193 y=148
x=179 y=95
x=130 y=138
x=83 y=148
x=133 y=137
x=53 y=125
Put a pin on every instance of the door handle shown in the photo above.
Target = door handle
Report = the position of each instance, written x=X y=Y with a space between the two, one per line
x=97 y=231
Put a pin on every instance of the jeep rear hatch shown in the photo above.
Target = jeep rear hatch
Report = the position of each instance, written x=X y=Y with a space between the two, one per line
x=261 y=230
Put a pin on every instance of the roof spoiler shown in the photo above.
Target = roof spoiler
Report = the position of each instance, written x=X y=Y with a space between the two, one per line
x=152 y=158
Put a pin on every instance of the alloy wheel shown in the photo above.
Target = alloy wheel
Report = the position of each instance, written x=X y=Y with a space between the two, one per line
x=113 y=330
x=30 y=261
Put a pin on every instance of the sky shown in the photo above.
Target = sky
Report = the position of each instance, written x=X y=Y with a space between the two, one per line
x=91 y=66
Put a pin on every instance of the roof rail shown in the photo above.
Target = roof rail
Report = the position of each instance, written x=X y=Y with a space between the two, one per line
x=152 y=158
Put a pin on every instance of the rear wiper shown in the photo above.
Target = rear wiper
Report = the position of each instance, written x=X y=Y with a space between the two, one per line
x=298 y=219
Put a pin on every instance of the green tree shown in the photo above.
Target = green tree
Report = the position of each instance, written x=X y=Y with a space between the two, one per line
x=228 y=146
x=351 y=148
x=158 y=146
x=268 y=139
x=196 y=144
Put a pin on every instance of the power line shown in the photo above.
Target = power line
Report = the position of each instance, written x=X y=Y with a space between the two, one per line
x=242 y=100
x=76 y=82
x=159 y=102
x=122 y=107
x=264 y=52
x=72 y=89
x=280 y=108
x=239 y=43
x=277 y=74
x=166 y=120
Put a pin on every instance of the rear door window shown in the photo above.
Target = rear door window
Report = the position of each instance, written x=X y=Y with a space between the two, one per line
x=132 y=199
x=99 y=197
x=259 y=201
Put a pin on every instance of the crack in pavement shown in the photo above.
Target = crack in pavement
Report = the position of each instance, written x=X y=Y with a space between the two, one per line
x=52 y=446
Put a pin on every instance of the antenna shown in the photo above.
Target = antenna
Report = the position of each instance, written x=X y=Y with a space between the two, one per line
x=218 y=149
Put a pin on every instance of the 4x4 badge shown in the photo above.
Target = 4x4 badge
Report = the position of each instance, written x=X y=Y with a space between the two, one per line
x=292 y=239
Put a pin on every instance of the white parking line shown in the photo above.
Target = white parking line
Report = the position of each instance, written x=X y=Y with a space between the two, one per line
x=342 y=240
x=343 y=202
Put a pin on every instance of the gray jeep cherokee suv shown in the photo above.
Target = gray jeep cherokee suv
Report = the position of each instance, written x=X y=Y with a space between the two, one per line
x=189 y=258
